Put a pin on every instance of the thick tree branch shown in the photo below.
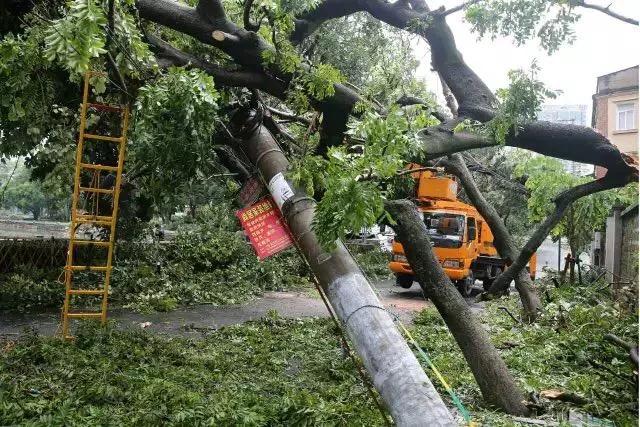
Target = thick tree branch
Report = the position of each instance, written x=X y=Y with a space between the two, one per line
x=503 y=241
x=245 y=48
x=563 y=141
x=606 y=11
x=169 y=55
x=489 y=370
x=438 y=141
x=562 y=202
x=459 y=7
x=572 y=142
x=289 y=116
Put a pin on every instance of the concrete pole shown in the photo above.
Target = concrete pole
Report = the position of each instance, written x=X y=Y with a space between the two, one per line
x=403 y=385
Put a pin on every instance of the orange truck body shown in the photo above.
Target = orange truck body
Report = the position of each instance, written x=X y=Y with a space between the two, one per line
x=462 y=240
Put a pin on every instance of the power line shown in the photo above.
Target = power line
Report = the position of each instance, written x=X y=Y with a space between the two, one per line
x=124 y=50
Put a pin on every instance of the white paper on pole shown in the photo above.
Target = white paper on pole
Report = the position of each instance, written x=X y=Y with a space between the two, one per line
x=280 y=189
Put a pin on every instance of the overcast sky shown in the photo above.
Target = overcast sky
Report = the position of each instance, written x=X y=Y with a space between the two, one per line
x=603 y=45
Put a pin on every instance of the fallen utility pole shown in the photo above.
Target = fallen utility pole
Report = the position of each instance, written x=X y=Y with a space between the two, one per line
x=402 y=383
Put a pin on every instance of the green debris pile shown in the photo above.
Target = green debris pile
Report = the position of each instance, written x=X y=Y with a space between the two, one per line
x=293 y=372
x=272 y=372
x=207 y=263
x=565 y=350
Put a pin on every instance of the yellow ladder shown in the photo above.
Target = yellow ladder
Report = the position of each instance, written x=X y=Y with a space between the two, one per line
x=93 y=192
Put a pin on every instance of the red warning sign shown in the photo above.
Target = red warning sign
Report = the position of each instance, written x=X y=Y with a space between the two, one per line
x=265 y=227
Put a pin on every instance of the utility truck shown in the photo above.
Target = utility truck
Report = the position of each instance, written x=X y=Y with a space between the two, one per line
x=461 y=238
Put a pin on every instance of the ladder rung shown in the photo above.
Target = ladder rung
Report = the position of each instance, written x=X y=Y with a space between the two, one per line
x=94 y=217
x=88 y=267
x=97 y=190
x=87 y=314
x=92 y=221
x=90 y=242
x=104 y=107
x=103 y=137
x=86 y=291
x=98 y=167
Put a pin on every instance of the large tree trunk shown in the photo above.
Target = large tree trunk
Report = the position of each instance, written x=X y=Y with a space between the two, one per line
x=496 y=383
x=403 y=385
x=503 y=241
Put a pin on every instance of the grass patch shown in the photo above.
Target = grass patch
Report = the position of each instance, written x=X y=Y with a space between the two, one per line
x=272 y=372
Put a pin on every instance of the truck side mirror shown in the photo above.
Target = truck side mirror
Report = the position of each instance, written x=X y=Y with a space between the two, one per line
x=471 y=229
x=472 y=232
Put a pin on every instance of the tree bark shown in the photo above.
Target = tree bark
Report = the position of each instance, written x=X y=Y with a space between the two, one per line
x=496 y=383
x=403 y=385
x=504 y=243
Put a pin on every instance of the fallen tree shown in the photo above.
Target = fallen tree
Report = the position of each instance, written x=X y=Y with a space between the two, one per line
x=496 y=383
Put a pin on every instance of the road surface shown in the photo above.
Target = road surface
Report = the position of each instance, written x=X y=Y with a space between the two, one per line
x=192 y=321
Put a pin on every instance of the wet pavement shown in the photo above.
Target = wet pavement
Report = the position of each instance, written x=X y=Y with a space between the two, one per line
x=194 y=320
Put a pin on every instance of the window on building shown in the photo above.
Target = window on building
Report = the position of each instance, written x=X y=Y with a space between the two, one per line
x=626 y=116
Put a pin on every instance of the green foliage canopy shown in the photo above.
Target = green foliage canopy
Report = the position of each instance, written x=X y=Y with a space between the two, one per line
x=550 y=21
x=175 y=117
x=358 y=184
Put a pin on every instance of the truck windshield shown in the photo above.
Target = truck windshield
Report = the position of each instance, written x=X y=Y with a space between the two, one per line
x=445 y=229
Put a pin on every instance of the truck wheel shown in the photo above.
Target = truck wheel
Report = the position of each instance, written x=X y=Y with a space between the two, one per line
x=404 y=281
x=465 y=285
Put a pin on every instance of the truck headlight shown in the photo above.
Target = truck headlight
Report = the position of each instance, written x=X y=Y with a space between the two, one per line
x=453 y=263
x=400 y=258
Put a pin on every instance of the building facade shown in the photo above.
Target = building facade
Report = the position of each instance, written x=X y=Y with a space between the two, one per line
x=570 y=114
x=615 y=111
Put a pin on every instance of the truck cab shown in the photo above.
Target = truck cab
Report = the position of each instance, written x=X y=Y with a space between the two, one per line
x=461 y=239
